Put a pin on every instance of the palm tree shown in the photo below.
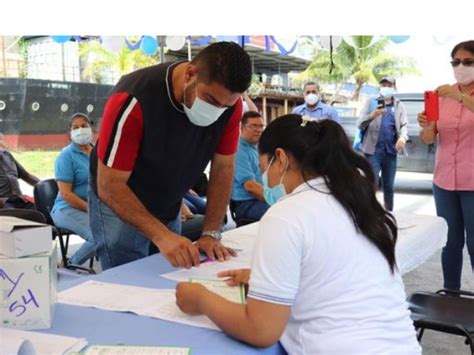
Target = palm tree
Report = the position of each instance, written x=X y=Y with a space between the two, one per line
x=365 y=64
x=100 y=60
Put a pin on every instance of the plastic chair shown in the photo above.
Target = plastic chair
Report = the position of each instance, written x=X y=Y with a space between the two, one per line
x=239 y=222
x=447 y=311
x=30 y=215
x=45 y=193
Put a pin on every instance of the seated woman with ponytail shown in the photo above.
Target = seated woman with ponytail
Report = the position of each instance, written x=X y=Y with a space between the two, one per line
x=324 y=278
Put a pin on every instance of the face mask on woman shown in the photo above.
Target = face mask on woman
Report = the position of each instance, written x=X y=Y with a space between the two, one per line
x=464 y=74
x=273 y=194
x=82 y=135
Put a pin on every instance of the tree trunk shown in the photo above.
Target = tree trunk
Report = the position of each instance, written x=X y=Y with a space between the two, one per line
x=358 y=87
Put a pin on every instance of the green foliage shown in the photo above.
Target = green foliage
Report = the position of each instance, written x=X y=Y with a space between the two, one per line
x=101 y=60
x=38 y=162
x=23 y=46
x=365 y=64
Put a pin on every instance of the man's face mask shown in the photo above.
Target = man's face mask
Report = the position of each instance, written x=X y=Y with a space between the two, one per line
x=202 y=113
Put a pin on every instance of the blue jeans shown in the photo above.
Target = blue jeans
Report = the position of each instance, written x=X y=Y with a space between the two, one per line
x=196 y=204
x=250 y=209
x=387 y=164
x=117 y=241
x=76 y=221
x=456 y=207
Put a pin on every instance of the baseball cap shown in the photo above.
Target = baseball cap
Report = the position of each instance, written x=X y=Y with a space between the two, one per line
x=388 y=78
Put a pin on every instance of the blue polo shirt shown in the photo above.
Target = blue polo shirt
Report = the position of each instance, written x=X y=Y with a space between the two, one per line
x=388 y=133
x=321 y=111
x=246 y=168
x=72 y=166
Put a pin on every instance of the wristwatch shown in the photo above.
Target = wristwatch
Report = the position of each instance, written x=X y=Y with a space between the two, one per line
x=213 y=234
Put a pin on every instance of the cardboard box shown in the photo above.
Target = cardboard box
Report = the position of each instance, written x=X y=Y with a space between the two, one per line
x=19 y=237
x=28 y=289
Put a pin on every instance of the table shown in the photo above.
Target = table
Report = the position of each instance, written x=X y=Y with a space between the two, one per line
x=105 y=327
x=419 y=237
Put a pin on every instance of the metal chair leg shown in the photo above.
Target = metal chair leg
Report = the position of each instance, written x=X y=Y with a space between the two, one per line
x=420 y=334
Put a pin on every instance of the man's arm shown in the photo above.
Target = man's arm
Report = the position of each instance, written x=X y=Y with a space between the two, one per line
x=30 y=179
x=218 y=197
x=255 y=189
x=114 y=191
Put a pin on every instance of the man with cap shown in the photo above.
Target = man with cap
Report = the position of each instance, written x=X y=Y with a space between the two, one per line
x=313 y=107
x=384 y=122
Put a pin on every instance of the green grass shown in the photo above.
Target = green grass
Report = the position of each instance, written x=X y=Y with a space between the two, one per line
x=38 y=162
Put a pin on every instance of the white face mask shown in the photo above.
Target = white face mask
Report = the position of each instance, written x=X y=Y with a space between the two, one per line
x=311 y=99
x=82 y=136
x=202 y=113
x=387 y=91
x=464 y=75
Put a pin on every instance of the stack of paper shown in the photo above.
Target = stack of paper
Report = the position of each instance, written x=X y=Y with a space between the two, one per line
x=232 y=293
x=140 y=300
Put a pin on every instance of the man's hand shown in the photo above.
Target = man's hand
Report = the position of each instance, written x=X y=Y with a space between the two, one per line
x=179 y=251
x=400 y=144
x=236 y=277
x=214 y=248
x=188 y=297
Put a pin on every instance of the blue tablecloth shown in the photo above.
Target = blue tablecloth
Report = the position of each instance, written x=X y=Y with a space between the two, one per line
x=105 y=327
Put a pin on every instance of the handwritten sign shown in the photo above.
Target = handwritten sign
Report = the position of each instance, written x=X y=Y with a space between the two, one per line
x=28 y=291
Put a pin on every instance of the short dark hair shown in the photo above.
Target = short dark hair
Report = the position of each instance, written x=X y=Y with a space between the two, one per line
x=225 y=63
x=249 y=114
x=467 y=46
x=79 y=115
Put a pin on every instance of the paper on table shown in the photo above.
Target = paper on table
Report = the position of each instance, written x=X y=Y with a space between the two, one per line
x=231 y=293
x=209 y=270
x=135 y=350
x=143 y=301
x=13 y=342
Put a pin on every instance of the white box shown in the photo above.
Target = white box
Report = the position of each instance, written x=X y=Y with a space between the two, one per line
x=19 y=237
x=28 y=290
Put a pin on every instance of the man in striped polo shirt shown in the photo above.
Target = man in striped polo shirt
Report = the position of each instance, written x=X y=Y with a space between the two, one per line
x=160 y=128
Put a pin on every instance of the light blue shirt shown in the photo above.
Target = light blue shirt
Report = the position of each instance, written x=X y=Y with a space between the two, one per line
x=246 y=168
x=72 y=166
x=320 y=112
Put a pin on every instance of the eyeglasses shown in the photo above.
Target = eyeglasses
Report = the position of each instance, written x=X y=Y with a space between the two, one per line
x=465 y=62
x=254 y=127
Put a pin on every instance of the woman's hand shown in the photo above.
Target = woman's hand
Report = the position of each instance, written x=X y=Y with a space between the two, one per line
x=378 y=112
x=189 y=296
x=236 y=277
x=423 y=121
x=449 y=91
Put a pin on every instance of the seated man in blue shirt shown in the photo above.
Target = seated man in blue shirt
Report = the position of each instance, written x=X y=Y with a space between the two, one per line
x=247 y=192
x=313 y=107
